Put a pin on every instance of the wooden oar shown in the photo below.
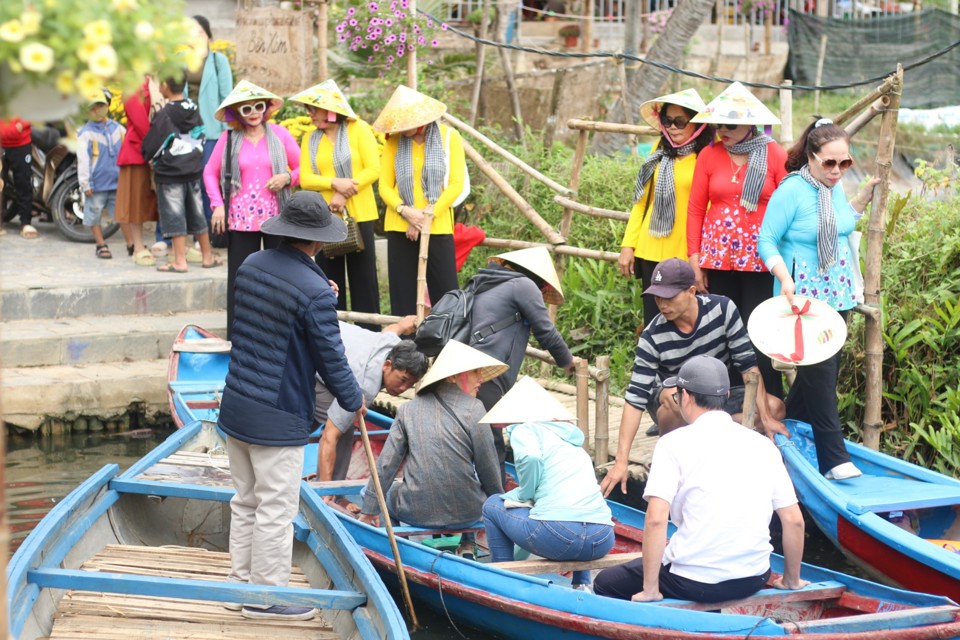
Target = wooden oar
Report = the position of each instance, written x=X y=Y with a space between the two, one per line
x=422 y=266
x=751 y=382
x=385 y=517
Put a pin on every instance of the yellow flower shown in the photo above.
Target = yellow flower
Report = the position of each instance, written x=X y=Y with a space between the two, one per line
x=98 y=32
x=87 y=83
x=65 y=82
x=192 y=59
x=31 y=20
x=12 y=31
x=86 y=50
x=144 y=30
x=36 y=57
x=124 y=5
x=140 y=66
x=103 y=61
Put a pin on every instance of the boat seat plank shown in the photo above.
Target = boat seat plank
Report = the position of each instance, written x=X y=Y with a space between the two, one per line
x=172 y=490
x=870 y=493
x=538 y=566
x=337 y=487
x=405 y=531
x=202 y=345
x=881 y=621
x=815 y=591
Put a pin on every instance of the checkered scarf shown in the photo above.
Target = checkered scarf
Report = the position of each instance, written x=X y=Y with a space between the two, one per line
x=278 y=162
x=664 y=194
x=756 y=150
x=434 y=166
x=826 y=221
x=342 y=160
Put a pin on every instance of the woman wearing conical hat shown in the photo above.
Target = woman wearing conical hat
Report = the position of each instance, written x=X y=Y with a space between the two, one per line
x=341 y=160
x=422 y=170
x=731 y=186
x=449 y=462
x=263 y=162
x=657 y=229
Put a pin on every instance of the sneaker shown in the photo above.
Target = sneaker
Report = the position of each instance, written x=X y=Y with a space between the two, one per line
x=653 y=431
x=843 y=471
x=583 y=587
x=232 y=606
x=279 y=612
x=159 y=249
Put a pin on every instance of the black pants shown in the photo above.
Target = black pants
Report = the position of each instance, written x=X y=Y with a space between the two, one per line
x=626 y=579
x=242 y=244
x=748 y=289
x=16 y=167
x=402 y=259
x=643 y=270
x=490 y=394
x=362 y=269
x=813 y=399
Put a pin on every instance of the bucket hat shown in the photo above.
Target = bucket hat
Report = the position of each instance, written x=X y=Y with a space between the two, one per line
x=456 y=357
x=809 y=332
x=701 y=374
x=326 y=95
x=408 y=109
x=306 y=216
x=537 y=260
x=736 y=105
x=527 y=401
x=246 y=91
x=688 y=98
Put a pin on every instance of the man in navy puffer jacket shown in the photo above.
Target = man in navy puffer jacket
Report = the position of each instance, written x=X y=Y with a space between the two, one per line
x=285 y=332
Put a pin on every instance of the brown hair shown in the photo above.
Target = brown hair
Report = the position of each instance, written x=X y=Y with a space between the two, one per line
x=818 y=133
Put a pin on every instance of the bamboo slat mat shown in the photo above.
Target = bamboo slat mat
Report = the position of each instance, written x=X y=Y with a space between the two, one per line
x=84 y=615
x=204 y=469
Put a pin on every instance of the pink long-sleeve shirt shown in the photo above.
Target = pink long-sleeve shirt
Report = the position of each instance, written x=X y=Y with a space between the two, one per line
x=254 y=203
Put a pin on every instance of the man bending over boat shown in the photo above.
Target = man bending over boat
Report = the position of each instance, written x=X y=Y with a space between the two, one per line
x=379 y=361
x=720 y=484
x=449 y=461
x=284 y=333
x=688 y=325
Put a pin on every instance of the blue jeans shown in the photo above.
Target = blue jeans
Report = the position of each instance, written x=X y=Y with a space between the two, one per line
x=550 y=539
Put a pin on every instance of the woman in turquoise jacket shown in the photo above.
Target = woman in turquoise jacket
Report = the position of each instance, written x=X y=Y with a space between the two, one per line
x=557 y=512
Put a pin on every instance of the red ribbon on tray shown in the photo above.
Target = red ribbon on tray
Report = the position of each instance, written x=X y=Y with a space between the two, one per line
x=797 y=355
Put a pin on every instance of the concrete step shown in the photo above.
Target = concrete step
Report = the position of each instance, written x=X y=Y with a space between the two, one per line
x=97 y=339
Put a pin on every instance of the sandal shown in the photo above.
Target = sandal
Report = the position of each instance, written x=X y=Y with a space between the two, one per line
x=144 y=258
x=170 y=268
x=103 y=252
x=216 y=262
x=194 y=256
x=29 y=232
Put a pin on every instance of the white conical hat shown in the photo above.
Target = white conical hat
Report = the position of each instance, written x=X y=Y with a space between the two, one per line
x=408 y=109
x=326 y=95
x=527 y=401
x=736 y=105
x=688 y=98
x=773 y=330
x=456 y=357
x=537 y=260
x=245 y=91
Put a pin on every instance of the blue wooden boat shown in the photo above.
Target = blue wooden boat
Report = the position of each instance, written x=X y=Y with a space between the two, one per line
x=196 y=374
x=142 y=554
x=858 y=514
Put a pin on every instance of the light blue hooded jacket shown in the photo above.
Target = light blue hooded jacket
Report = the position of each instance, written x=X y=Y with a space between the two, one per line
x=216 y=83
x=555 y=473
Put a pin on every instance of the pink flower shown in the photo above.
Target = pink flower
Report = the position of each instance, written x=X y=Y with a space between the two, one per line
x=373 y=6
x=403 y=3
x=341 y=38
x=403 y=36
x=434 y=43
x=389 y=39
x=376 y=47
x=389 y=59
x=421 y=41
x=443 y=26
x=351 y=11
x=400 y=51
x=353 y=22
x=341 y=27
x=388 y=22
x=393 y=5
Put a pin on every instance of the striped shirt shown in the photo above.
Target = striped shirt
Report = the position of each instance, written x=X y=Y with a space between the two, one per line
x=663 y=348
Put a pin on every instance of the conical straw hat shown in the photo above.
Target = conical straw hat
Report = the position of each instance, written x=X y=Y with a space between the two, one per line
x=774 y=330
x=245 y=91
x=326 y=95
x=736 y=105
x=689 y=98
x=527 y=401
x=456 y=357
x=538 y=261
x=408 y=109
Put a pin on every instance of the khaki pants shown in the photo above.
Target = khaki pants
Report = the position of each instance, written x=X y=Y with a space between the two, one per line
x=267 y=480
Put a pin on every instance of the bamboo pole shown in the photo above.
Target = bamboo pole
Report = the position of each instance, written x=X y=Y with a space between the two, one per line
x=367 y=318
x=579 y=252
x=596 y=212
x=509 y=157
x=611 y=127
x=868 y=114
x=751 y=384
x=550 y=127
x=385 y=517
x=627 y=104
x=820 y=58
x=786 y=114
x=767 y=30
x=872 y=419
x=323 y=71
x=601 y=422
x=422 y=266
x=412 y=53
x=481 y=60
x=885 y=88
x=544 y=356
x=746 y=48
x=587 y=43
x=583 y=398
x=513 y=195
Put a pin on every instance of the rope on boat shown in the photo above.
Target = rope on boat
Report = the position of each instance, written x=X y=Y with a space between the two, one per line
x=440 y=590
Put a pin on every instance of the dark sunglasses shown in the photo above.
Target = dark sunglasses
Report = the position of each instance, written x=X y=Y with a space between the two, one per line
x=679 y=122
x=844 y=164
x=728 y=127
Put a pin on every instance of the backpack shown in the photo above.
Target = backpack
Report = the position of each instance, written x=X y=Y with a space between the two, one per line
x=171 y=152
x=451 y=319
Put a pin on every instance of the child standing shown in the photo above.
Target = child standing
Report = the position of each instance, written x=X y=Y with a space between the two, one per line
x=16 y=146
x=174 y=144
x=98 y=148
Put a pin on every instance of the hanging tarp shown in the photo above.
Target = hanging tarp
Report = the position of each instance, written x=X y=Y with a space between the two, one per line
x=861 y=48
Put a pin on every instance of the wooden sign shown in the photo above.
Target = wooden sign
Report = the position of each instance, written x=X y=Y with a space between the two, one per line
x=274 y=49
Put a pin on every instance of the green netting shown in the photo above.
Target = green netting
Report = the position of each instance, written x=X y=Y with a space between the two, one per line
x=864 y=48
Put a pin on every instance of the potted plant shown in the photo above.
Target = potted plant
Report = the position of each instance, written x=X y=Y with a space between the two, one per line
x=570 y=34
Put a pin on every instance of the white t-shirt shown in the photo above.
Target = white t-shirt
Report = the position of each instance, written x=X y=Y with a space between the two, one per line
x=723 y=482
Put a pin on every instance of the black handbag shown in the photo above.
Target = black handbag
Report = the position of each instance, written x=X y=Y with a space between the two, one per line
x=353 y=243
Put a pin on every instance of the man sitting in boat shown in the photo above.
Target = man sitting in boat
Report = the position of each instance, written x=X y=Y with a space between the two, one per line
x=557 y=511
x=379 y=361
x=704 y=477
x=450 y=462
x=688 y=325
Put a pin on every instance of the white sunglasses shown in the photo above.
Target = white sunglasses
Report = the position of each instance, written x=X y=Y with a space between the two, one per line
x=247 y=110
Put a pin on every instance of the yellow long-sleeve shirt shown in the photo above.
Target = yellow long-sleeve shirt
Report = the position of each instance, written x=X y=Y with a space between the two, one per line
x=442 y=211
x=365 y=158
x=637 y=235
